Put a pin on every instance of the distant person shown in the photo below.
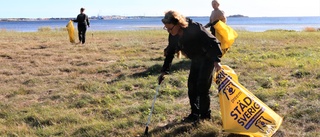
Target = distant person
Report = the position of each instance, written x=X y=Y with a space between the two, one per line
x=197 y=44
x=83 y=22
x=215 y=16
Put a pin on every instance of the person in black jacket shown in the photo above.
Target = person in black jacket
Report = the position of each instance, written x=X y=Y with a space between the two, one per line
x=197 y=44
x=83 y=22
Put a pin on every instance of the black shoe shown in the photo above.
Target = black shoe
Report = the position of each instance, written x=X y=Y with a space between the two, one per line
x=191 y=118
x=206 y=117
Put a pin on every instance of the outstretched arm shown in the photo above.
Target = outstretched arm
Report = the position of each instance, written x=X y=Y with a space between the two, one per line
x=87 y=20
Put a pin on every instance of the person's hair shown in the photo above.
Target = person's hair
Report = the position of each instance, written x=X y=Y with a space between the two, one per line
x=174 y=17
x=82 y=9
x=217 y=1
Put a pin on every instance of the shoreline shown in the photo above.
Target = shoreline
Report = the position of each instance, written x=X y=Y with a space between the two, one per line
x=252 y=24
x=118 y=17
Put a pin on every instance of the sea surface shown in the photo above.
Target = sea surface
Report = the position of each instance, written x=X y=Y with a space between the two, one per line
x=254 y=24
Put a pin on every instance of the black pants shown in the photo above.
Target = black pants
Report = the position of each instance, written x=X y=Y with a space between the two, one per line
x=82 y=34
x=199 y=83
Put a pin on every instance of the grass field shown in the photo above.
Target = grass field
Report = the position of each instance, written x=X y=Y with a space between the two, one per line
x=50 y=87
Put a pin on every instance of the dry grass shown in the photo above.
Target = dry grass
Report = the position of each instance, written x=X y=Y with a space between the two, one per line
x=50 y=87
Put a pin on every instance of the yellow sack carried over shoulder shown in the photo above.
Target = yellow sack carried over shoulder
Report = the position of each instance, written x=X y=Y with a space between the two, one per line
x=241 y=111
x=70 y=29
x=225 y=34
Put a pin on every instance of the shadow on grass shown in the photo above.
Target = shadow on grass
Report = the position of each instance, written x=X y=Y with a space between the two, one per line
x=173 y=128
x=155 y=69
x=178 y=128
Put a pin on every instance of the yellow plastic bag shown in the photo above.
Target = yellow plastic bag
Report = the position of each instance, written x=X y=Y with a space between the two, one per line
x=241 y=111
x=225 y=34
x=70 y=29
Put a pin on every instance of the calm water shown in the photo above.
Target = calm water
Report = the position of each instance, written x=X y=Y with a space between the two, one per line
x=256 y=24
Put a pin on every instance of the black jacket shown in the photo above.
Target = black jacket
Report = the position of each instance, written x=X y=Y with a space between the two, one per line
x=195 y=42
x=83 y=20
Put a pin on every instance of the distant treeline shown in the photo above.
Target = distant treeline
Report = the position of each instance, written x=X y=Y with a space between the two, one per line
x=96 y=17
x=92 y=17
x=237 y=15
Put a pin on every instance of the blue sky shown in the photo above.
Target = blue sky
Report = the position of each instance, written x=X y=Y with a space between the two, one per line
x=70 y=8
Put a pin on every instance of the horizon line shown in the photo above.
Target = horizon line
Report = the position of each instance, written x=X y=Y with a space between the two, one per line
x=231 y=16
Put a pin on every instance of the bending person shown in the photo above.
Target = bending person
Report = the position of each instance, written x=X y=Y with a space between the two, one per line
x=196 y=43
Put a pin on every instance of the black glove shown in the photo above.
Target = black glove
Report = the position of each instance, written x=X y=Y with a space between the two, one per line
x=208 y=25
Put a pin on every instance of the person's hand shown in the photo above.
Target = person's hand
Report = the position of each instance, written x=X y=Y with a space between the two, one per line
x=160 y=78
x=208 y=25
x=217 y=66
